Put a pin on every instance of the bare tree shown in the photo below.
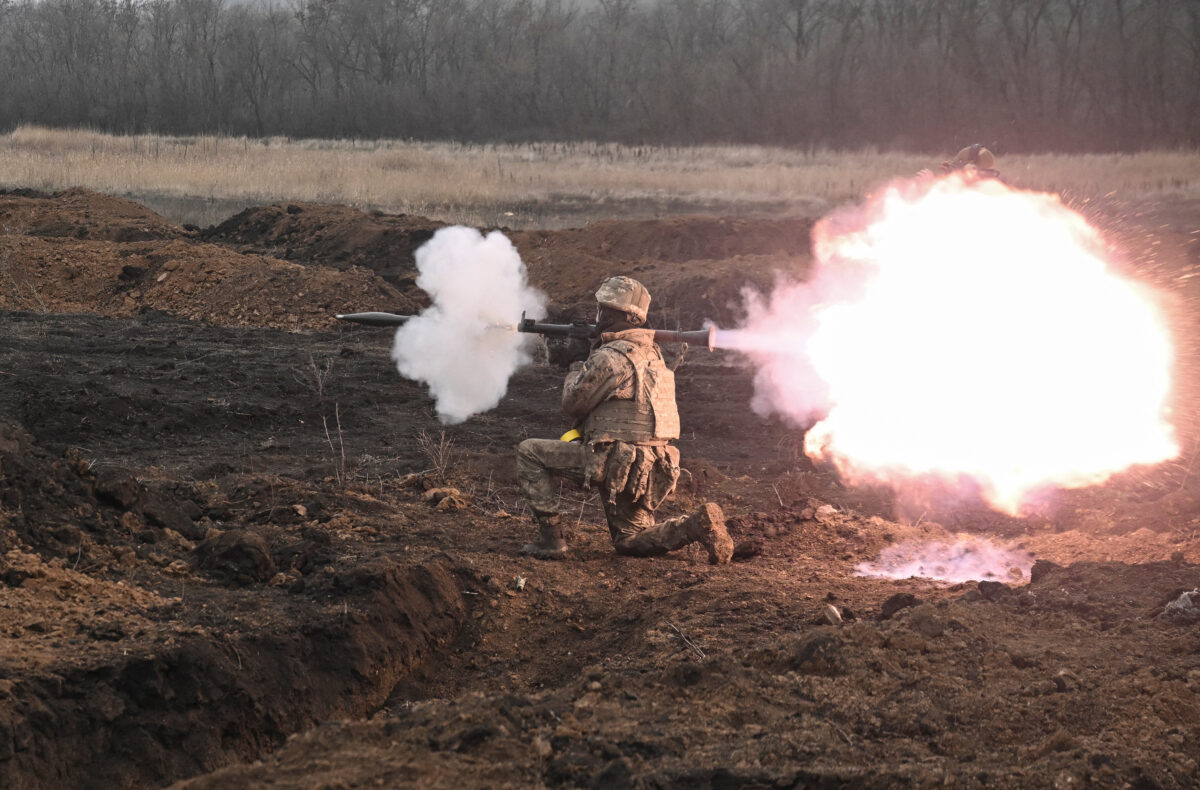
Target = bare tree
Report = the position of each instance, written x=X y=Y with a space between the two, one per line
x=1033 y=74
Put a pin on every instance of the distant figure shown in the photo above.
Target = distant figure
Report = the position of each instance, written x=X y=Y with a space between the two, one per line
x=973 y=160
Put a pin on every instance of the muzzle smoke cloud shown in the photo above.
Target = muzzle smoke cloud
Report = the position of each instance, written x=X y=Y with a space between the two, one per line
x=961 y=330
x=464 y=345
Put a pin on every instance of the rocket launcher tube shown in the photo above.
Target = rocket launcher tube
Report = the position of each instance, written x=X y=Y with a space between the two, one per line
x=704 y=337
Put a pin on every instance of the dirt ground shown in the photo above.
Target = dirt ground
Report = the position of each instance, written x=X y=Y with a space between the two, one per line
x=238 y=551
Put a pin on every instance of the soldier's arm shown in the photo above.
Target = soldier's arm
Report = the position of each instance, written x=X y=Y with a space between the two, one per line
x=605 y=374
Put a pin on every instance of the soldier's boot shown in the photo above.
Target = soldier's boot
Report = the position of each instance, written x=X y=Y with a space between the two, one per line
x=706 y=525
x=550 y=543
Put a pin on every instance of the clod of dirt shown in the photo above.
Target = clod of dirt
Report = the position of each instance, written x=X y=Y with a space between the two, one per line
x=747 y=549
x=819 y=653
x=826 y=514
x=1066 y=680
x=446 y=498
x=162 y=511
x=118 y=487
x=926 y=622
x=238 y=556
x=1041 y=569
x=896 y=603
x=994 y=591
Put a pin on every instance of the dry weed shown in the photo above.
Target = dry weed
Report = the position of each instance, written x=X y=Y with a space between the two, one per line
x=518 y=185
x=16 y=289
x=439 y=453
x=338 y=453
x=315 y=375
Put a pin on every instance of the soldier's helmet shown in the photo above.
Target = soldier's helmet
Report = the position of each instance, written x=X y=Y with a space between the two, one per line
x=976 y=156
x=625 y=294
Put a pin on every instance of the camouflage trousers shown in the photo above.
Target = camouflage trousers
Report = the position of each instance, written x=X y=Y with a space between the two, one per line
x=630 y=524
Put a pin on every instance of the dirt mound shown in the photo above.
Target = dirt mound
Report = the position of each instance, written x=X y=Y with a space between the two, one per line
x=336 y=236
x=695 y=267
x=82 y=214
x=202 y=282
x=81 y=252
x=684 y=295
x=293 y=265
x=674 y=240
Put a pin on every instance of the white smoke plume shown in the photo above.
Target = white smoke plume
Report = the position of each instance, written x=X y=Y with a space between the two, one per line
x=967 y=559
x=774 y=335
x=464 y=345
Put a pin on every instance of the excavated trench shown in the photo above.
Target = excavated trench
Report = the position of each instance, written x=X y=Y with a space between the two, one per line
x=146 y=719
x=164 y=617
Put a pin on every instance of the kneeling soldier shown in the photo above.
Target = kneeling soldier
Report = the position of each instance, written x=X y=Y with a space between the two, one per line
x=623 y=398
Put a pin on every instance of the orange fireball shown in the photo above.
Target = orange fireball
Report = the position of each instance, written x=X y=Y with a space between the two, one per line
x=967 y=329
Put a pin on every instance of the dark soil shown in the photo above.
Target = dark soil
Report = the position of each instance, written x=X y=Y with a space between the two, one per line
x=234 y=540
x=695 y=266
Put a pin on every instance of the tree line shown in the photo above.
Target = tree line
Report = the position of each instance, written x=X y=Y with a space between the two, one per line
x=1028 y=75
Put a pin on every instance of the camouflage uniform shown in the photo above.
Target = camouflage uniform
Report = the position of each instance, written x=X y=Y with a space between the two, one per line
x=623 y=398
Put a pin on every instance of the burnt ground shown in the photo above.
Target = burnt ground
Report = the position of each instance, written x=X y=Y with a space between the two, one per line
x=237 y=549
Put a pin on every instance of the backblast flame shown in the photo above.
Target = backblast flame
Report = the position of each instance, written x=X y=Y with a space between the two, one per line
x=961 y=329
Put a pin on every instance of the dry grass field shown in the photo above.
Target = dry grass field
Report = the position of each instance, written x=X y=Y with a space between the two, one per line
x=547 y=185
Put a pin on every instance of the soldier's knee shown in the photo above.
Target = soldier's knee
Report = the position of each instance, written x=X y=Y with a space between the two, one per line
x=632 y=547
x=527 y=453
x=625 y=548
x=624 y=537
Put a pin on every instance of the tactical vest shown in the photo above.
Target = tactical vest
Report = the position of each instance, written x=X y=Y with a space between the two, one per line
x=651 y=416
